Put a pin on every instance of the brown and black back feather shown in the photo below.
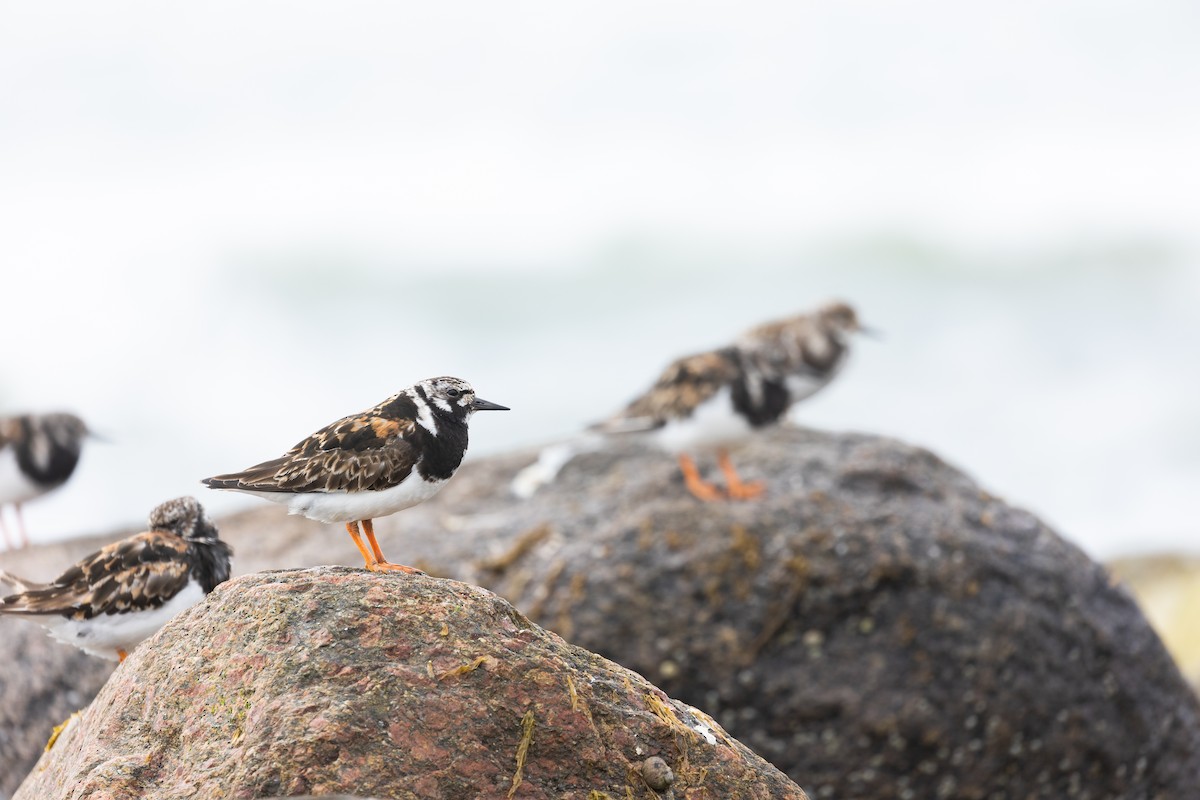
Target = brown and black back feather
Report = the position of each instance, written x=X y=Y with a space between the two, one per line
x=683 y=386
x=139 y=573
x=362 y=452
x=755 y=369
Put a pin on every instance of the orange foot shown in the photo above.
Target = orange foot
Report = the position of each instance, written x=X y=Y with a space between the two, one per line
x=697 y=485
x=387 y=566
x=373 y=557
x=738 y=490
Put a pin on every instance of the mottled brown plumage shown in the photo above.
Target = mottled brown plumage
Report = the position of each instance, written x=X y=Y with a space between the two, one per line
x=364 y=452
x=133 y=574
x=681 y=387
x=348 y=456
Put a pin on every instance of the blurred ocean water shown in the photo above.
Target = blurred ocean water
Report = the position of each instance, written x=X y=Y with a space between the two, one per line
x=210 y=257
x=1065 y=386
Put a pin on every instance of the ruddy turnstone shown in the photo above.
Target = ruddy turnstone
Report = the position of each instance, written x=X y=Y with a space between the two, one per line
x=38 y=453
x=116 y=597
x=369 y=465
x=710 y=400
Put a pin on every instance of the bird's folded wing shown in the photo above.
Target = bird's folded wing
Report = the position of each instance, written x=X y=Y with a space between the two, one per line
x=362 y=452
x=327 y=471
x=679 y=390
x=141 y=572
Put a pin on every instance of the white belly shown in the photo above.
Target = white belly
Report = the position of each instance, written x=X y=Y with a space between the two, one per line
x=354 y=506
x=713 y=424
x=103 y=635
x=802 y=386
x=14 y=486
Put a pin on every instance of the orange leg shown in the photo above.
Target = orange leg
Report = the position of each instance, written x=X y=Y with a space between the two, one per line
x=695 y=484
x=368 y=557
x=738 y=490
x=369 y=529
x=121 y=655
x=379 y=563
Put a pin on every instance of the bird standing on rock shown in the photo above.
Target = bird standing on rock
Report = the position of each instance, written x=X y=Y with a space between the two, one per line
x=364 y=466
x=711 y=400
x=38 y=453
x=116 y=597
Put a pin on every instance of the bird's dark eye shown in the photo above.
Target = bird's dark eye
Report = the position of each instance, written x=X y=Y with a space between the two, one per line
x=453 y=392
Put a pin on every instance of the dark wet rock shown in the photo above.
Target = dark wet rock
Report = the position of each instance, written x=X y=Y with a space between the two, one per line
x=877 y=627
x=392 y=686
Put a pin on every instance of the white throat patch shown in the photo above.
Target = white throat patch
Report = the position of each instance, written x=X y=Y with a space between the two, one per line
x=424 y=415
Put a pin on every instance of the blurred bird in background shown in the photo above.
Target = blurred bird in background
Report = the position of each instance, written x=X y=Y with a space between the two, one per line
x=38 y=453
x=709 y=401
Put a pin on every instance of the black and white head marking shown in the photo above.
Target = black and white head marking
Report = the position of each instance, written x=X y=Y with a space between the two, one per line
x=446 y=398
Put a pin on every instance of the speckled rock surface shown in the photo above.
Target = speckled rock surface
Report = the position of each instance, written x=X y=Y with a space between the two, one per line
x=335 y=680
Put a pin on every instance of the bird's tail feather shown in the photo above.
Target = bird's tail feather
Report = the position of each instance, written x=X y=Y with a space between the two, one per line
x=550 y=461
x=19 y=584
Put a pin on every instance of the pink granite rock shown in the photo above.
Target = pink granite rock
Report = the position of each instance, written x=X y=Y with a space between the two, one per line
x=333 y=680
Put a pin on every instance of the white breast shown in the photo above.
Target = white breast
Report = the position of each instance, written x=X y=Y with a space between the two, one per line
x=714 y=423
x=353 y=506
x=15 y=487
x=103 y=635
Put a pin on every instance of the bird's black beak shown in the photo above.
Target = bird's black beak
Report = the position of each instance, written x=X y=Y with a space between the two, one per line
x=480 y=404
x=870 y=333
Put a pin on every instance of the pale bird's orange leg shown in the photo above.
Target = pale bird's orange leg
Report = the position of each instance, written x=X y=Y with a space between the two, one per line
x=21 y=527
x=8 y=545
x=121 y=655
x=738 y=490
x=381 y=563
x=695 y=484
